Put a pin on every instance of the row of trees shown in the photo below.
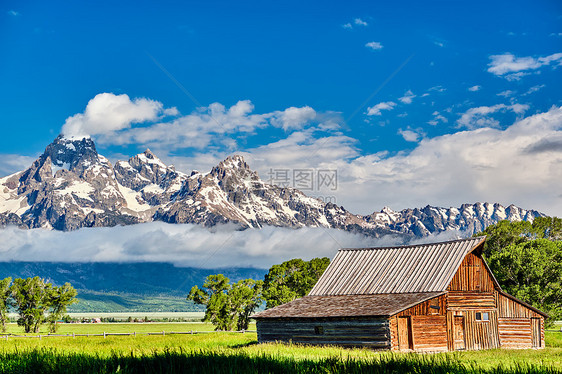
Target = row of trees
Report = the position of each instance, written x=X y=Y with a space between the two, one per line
x=231 y=305
x=526 y=259
x=36 y=302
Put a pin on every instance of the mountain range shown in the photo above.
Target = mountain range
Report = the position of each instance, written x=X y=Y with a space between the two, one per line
x=71 y=186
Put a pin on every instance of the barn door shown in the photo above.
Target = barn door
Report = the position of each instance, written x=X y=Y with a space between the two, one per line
x=536 y=332
x=405 y=333
x=459 y=333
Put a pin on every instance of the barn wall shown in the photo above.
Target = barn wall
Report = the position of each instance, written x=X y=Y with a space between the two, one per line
x=366 y=332
x=428 y=322
x=472 y=275
x=515 y=324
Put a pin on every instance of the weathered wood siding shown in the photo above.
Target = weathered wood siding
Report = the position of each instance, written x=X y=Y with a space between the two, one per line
x=429 y=328
x=463 y=300
x=515 y=324
x=366 y=332
x=515 y=333
x=472 y=275
x=429 y=333
x=477 y=334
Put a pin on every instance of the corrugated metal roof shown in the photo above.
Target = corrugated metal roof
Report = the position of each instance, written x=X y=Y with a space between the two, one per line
x=392 y=270
x=347 y=306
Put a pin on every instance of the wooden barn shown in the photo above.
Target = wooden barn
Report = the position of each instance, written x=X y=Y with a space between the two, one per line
x=429 y=297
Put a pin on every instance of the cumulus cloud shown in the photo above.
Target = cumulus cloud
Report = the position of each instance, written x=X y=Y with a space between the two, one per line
x=511 y=67
x=182 y=245
x=410 y=135
x=292 y=118
x=376 y=110
x=106 y=113
x=480 y=116
x=375 y=46
x=407 y=98
x=111 y=118
x=474 y=88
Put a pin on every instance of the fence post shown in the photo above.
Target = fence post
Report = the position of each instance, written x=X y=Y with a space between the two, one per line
x=39 y=336
x=135 y=334
x=104 y=334
x=163 y=333
x=72 y=335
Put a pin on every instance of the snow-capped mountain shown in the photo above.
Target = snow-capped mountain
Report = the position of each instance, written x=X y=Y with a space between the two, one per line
x=71 y=186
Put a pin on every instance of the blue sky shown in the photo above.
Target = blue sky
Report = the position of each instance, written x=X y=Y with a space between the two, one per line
x=413 y=103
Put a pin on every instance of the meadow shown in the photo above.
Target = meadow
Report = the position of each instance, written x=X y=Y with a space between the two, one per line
x=220 y=352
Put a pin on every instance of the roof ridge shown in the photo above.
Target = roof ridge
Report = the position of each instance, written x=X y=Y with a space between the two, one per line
x=414 y=245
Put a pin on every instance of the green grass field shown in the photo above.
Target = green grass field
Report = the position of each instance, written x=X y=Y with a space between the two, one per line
x=214 y=352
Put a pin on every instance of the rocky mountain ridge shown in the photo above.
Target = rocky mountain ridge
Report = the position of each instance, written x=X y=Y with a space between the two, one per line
x=71 y=186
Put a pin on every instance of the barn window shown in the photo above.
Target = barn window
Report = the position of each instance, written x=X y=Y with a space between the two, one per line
x=482 y=316
x=319 y=330
x=434 y=306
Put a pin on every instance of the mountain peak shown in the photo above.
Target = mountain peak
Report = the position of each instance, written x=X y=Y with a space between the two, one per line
x=234 y=162
x=148 y=157
x=71 y=151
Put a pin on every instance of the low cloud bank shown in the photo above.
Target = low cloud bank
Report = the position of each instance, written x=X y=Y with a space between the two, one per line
x=183 y=245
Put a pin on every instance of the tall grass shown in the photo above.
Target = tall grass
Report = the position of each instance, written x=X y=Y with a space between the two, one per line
x=213 y=361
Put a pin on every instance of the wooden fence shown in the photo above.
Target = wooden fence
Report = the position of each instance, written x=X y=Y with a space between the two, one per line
x=5 y=337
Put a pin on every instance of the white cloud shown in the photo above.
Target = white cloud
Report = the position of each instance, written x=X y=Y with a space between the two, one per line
x=407 y=98
x=106 y=113
x=437 y=118
x=375 y=46
x=13 y=13
x=521 y=165
x=182 y=245
x=474 y=88
x=376 y=110
x=409 y=135
x=356 y=22
x=511 y=67
x=506 y=93
x=534 y=89
x=479 y=116
x=111 y=117
x=293 y=118
x=360 y=22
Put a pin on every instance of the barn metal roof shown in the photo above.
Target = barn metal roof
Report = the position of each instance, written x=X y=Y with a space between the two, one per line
x=393 y=270
x=347 y=306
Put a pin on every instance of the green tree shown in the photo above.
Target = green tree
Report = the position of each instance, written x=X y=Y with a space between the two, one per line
x=532 y=271
x=245 y=298
x=32 y=299
x=227 y=305
x=59 y=299
x=527 y=261
x=292 y=279
x=4 y=302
